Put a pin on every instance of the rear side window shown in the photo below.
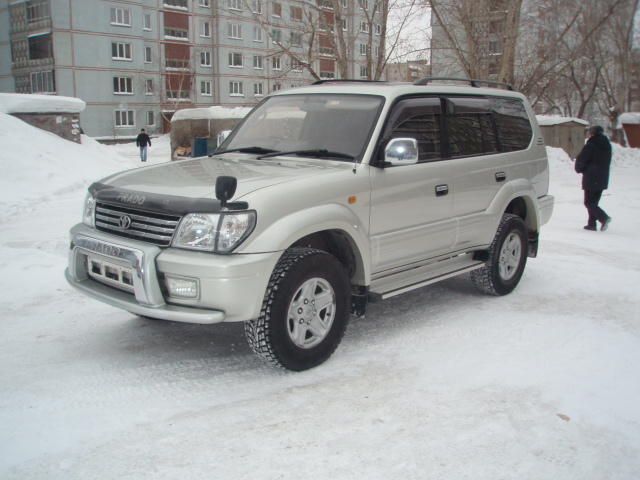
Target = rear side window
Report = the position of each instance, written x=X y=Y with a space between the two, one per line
x=512 y=123
x=418 y=118
x=470 y=127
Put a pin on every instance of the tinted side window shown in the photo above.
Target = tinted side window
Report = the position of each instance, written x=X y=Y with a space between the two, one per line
x=470 y=127
x=512 y=122
x=418 y=118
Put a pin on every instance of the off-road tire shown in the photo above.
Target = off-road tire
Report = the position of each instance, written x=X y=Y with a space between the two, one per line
x=487 y=279
x=268 y=336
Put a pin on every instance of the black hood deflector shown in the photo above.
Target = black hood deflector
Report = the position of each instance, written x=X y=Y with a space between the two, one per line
x=153 y=202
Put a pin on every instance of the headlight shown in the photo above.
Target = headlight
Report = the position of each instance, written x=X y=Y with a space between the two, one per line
x=214 y=232
x=88 y=213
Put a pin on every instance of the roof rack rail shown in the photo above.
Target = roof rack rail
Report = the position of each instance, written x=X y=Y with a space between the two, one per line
x=472 y=81
x=345 y=80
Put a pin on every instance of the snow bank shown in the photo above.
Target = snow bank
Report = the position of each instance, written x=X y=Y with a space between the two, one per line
x=37 y=164
x=630 y=118
x=22 y=103
x=550 y=120
x=211 y=113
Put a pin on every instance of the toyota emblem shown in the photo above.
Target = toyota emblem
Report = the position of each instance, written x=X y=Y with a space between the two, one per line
x=125 y=222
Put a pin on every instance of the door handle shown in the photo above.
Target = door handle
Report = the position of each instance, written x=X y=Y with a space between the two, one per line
x=501 y=176
x=442 y=190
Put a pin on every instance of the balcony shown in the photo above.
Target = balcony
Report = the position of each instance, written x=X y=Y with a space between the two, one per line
x=177 y=4
x=177 y=64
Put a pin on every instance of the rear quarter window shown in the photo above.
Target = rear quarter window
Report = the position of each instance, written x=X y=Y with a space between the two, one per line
x=512 y=123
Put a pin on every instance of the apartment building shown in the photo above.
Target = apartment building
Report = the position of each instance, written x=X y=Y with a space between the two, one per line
x=135 y=62
x=408 y=71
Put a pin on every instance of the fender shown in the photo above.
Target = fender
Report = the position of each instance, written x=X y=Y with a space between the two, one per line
x=281 y=234
x=513 y=189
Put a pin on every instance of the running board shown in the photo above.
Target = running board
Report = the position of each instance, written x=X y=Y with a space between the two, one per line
x=402 y=282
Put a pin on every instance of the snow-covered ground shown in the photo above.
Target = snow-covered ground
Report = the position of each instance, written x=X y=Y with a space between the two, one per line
x=442 y=383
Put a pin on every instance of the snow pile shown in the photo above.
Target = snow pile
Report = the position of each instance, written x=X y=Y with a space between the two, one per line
x=211 y=113
x=23 y=103
x=625 y=157
x=630 y=118
x=550 y=120
x=37 y=164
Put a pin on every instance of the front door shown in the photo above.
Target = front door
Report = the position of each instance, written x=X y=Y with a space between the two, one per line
x=412 y=205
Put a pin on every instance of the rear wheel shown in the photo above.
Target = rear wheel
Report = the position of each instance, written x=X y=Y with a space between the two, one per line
x=305 y=310
x=507 y=258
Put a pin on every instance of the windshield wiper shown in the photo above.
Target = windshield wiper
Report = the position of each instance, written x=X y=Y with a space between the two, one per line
x=316 y=152
x=257 y=150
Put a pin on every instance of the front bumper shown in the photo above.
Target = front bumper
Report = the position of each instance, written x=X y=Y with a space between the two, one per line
x=231 y=287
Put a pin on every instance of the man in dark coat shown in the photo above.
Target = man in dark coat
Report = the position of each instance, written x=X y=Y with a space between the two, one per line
x=593 y=163
x=142 y=141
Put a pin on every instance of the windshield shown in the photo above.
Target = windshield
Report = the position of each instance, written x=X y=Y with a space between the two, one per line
x=327 y=122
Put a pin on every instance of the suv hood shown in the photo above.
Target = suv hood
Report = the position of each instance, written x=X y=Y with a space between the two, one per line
x=196 y=178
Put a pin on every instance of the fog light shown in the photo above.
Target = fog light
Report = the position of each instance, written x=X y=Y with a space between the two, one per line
x=182 y=287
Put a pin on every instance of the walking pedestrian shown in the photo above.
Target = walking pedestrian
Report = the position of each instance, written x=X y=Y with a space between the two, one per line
x=142 y=141
x=593 y=162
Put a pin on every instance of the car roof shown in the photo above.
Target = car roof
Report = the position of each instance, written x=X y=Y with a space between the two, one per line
x=393 y=90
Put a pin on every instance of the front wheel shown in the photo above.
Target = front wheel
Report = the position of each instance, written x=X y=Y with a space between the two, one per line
x=507 y=258
x=305 y=310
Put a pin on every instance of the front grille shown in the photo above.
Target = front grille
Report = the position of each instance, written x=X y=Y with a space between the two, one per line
x=152 y=227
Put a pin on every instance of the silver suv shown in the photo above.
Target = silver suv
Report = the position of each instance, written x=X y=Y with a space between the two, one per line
x=324 y=198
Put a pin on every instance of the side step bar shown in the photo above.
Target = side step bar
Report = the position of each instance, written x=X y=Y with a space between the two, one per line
x=402 y=282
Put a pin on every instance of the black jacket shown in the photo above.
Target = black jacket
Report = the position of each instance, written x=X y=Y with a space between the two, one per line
x=142 y=140
x=593 y=163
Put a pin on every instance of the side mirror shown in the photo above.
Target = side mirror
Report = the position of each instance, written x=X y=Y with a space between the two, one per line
x=401 y=151
x=225 y=189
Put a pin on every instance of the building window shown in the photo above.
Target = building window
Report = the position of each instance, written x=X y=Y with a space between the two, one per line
x=176 y=33
x=276 y=10
x=344 y=24
x=146 y=21
x=235 y=60
x=258 y=89
x=363 y=49
x=122 y=86
x=177 y=4
x=276 y=36
x=296 y=13
x=257 y=33
x=43 y=82
x=148 y=86
x=295 y=39
x=147 y=54
x=203 y=3
x=205 y=88
x=364 y=27
x=37 y=10
x=234 y=30
x=235 y=4
x=151 y=118
x=125 y=118
x=494 y=47
x=40 y=47
x=275 y=63
x=256 y=6
x=257 y=62
x=236 y=89
x=377 y=51
x=364 y=72
x=364 y=4
x=378 y=29
x=276 y=87
x=205 y=59
x=120 y=51
x=205 y=29
x=344 y=4
x=120 y=16
x=296 y=65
